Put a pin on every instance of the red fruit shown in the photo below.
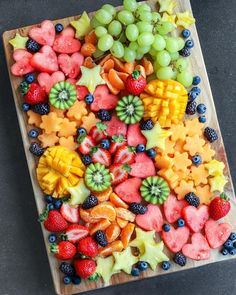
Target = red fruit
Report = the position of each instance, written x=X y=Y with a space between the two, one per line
x=134 y=135
x=18 y=54
x=116 y=142
x=70 y=65
x=66 y=43
x=196 y=218
x=47 y=81
x=102 y=156
x=64 y=250
x=70 y=214
x=116 y=127
x=103 y=99
x=76 y=232
x=54 y=221
x=219 y=207
x=125 y=155
x=151 y=220
x=119 y=173
x=35 y=94
x=88 y=247
x=84 y=268
x=217 y=234
x=45 y=60
x=173 y=208
x=71 y=81
x=143 y=166
x=22 y=65
x=45 y=34
x=86 y=144
x=175 y=239
x=98 y=132
x=128 y=190
x=135 y=83
x=198 y=249
x=82 y=91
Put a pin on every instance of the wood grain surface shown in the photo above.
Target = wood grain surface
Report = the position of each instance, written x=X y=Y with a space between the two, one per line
x=198 y=66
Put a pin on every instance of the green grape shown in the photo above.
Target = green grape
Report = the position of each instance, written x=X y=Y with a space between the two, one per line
x=185 y=78
x=165 y=73
x=145 y=39
x=174 y=56
x=159 y=43
x=98 y=53
x=100 y=31
x=181 y=64
x=143 y=7
x=105 y=42
x=172 y=45
x=115 y=28
x=156 y=66
x=153 y=52
x=109 y=8
x=122 y=37
x=133 y=45
x=131 y=32
x=143 y=49
x=163 y=28
x=117 y=49
x=129 y=55
x=145 y=16
x=130 y=5
x=156 y=17
x=139 y=55
x=125 y=17
x=163 y=58
x=181 y=43
x=144 y=27
x=103 y=16
x=95 y=23
x=175 y=73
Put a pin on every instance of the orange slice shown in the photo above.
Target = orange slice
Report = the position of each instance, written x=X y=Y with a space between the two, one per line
x=147 y=66
x=123 y=76
x=110 y=86
x=119 y=66
x=129 y=67
x=117 y=201
x=86 y=216
x=126 y=234
x=104 y=210
x=88 y=49
x=103 y=196
x=116 y=246
x=89 y=63
x=108 y=65
x=105 y=58
x=91 y=38
x=125 y=214
x=101 y=225
x=115 y=80
x=121 y=222
x=112 y=232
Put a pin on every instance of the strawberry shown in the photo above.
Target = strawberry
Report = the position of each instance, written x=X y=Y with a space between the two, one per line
x=151 y=220
x=82 y=91
x=70 y=65
x=134 y=135
x=75 y=232
x=64 y=250
x=198 y=249
x=71 y=214
x=53 y=221
x=135 y=83
x=143 y=166
x=86 y=143
x=22 y=64
x=66 y=43
x=128 y=190
x=116 y=142
x=45 y=34
x=35 y=94
x=84 y=268
x=103 y=99
x=173 y=208
x=98 y=132
x=101 y=156
x=88 y=247
x=125 y=155
x=46 y=81
x=119 y=173
x=116 y=127
x=219 y=207
x=196 y=218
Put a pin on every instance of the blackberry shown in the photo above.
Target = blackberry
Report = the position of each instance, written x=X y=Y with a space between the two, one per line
x=146 y=124
x=86 y=159
x=210 y=134
x=32 y=46
x=36 y=149
x=41 y=108
x=185 y=52
x=192 y=199
x=138 y=208
x=59 y=28
x=101 y=238
x=67 y=269
x=191 y=108
x=104 y=115
x=90 y=202
x=180 y=259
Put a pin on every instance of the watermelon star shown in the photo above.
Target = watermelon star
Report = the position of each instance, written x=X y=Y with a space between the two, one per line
x=167 y=5
x=18 y=41
x=217 y=183
x=156 y=137
x=91 y=78
x=215 y=167
x=78 y=193
x=185 y=19
x=104 y=268
x=82 y=25
x=142 y=237
x=124 y=261
x=169 y=18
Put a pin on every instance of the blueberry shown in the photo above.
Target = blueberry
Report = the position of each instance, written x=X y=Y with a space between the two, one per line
x=52 y=238
x=142 y=265
x=232 y=236
x=192 y=96
x=86 y=159
x=196 y=80
x=186 y=33
x=232 y=251
x=224 y=251
x=165 y=265
x=151 y=153
x=105 y=144
x=140 y=148
x=228 y=244
x=81 y=131
x=180 y=222
x=57 y=204
x=29 y=78
x=202 y=119
x=59 y=28
x=76 y=280
x=197 y=90
x=135 y=272
x=33 y=133
x=48 y=199
x=189 y=44
x=25 y=107
x=89 y=98
x=166 y=227
x=67 y=280
x=196 y=160
x=201 y=108
x=50 y=207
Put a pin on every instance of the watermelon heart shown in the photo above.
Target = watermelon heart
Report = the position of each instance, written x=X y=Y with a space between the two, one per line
x=196 y=217
x=143 y=166
x=175 y=239
x=47 y=81
x=103 y=99
x=128 y=190
x=198 y=249
x=134 y=135
x=45 y=34
x=22 y=64
x=82 y=91
x=45 y=60
x=173 y=208
x=151 y=220
x=116 y=127
x=217 y=234
x=66 y=43
x=70 y=65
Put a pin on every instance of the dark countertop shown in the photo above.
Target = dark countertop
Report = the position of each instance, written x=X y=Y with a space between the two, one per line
x=23 y=262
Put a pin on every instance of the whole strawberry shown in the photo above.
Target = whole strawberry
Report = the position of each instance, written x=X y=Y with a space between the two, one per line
x=53 y=221
x=135 y=83
x=88 y=247
x=219 y=207
x=64 y=250
x=85 y=267
x=35 y=94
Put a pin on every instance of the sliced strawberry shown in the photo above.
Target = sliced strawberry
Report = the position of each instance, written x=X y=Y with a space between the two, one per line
x=76 y=232
x=86 y=143
x=45 y=60
x=198 y=249
x=45 y=34
x=103 y=99
x=102 y=156
x=173 y=208
x=46 y=81
x=175 y=239
x=119 y=173
x=143 y=166
x=196 y=218
x=70 y=65
x=82 y=91
x=128 y=190
x=22 y=65
x=134 y=135
x=151 y=220
x=98 y=132
x=70 y=214
x=116 y=127
x=125 y=155
x=116 y=142
x=66 y=43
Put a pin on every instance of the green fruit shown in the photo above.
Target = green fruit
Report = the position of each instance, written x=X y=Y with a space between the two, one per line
x=155 y=190
x=63 y=95
x=130 y=109
x=97 y=177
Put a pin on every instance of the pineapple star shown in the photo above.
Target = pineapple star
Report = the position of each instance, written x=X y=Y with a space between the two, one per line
x=169 y=18
x=91 y=78
x=217 y=183
x=185 y=19
x=18 y=41
x=82 y=25
x=167 y=5
x=78 y=193
x=215 y=167
x=124 y=261
x=104 y=268
x=142 y=237
x=156 y=137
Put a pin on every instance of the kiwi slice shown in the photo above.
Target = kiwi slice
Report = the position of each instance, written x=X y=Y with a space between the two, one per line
x=155 y=190
x=130 y=109
x=97 y=177
x=63 y=95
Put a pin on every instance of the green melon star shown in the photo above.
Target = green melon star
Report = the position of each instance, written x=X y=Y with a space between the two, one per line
x=142 y=237
x=78 y=193
x=218 y=183
x=18 y=42
x=104 y=268
x=167 y=5
x=215 y=167
x=124 y=261
x=82 y=25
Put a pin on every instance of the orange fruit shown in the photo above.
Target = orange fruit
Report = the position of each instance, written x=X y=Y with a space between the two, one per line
x=116 y=246
x=88 y=49
x=129 y=67
x=141 y=70
x=126 y=234
x=105 y=58
x=110 y=86
x=103 y=210
x=91 y=38
x=112 y=232
x=89 y=63
x=123 y=76
x=119 y=66
x=117 y=201
x=125 y=214
x=121 y=222
x=103 y=196
x=101 y=225
x=147 y=66
x=115 y=80
x=109 y=64
x=86 y=217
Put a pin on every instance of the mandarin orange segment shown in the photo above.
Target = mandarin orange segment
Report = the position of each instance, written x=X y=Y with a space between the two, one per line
x=88 y=49
x=101 y=225
x=112 y=232
x=123 y=76
x=86 y=216
x=115 y=80
x=91 y=38
x=147 y=66
x=117 y=201
x=125 y=214
x=126 y=234
x=116 y=246
x=89 y=63
x=121 y=222
x=105 y=58
x=129 y=67
x=108 y=65
x=109 y=84
x=141 y=70
x=119 y=65
x=103 y=196
x=104 y=210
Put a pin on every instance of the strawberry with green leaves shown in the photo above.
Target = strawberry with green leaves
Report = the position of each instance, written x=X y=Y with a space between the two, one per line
x=135 y=83
x=125 y=155
x=120 y=173
x=116 y=142
x=102 y=156
x=219 y=207
x=64 y=250
x=98 y=132
x=85 y=267
x=53 y=221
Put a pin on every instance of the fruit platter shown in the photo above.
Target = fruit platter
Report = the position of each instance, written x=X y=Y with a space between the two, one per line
x=123 y=145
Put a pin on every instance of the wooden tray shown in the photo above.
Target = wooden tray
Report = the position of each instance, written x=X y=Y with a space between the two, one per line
x=198 y=66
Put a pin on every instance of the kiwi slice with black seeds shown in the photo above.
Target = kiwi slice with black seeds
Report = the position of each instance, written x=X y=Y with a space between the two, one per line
x=97 y=177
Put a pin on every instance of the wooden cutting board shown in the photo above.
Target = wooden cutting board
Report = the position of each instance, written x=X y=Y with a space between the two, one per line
x=199 y=68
